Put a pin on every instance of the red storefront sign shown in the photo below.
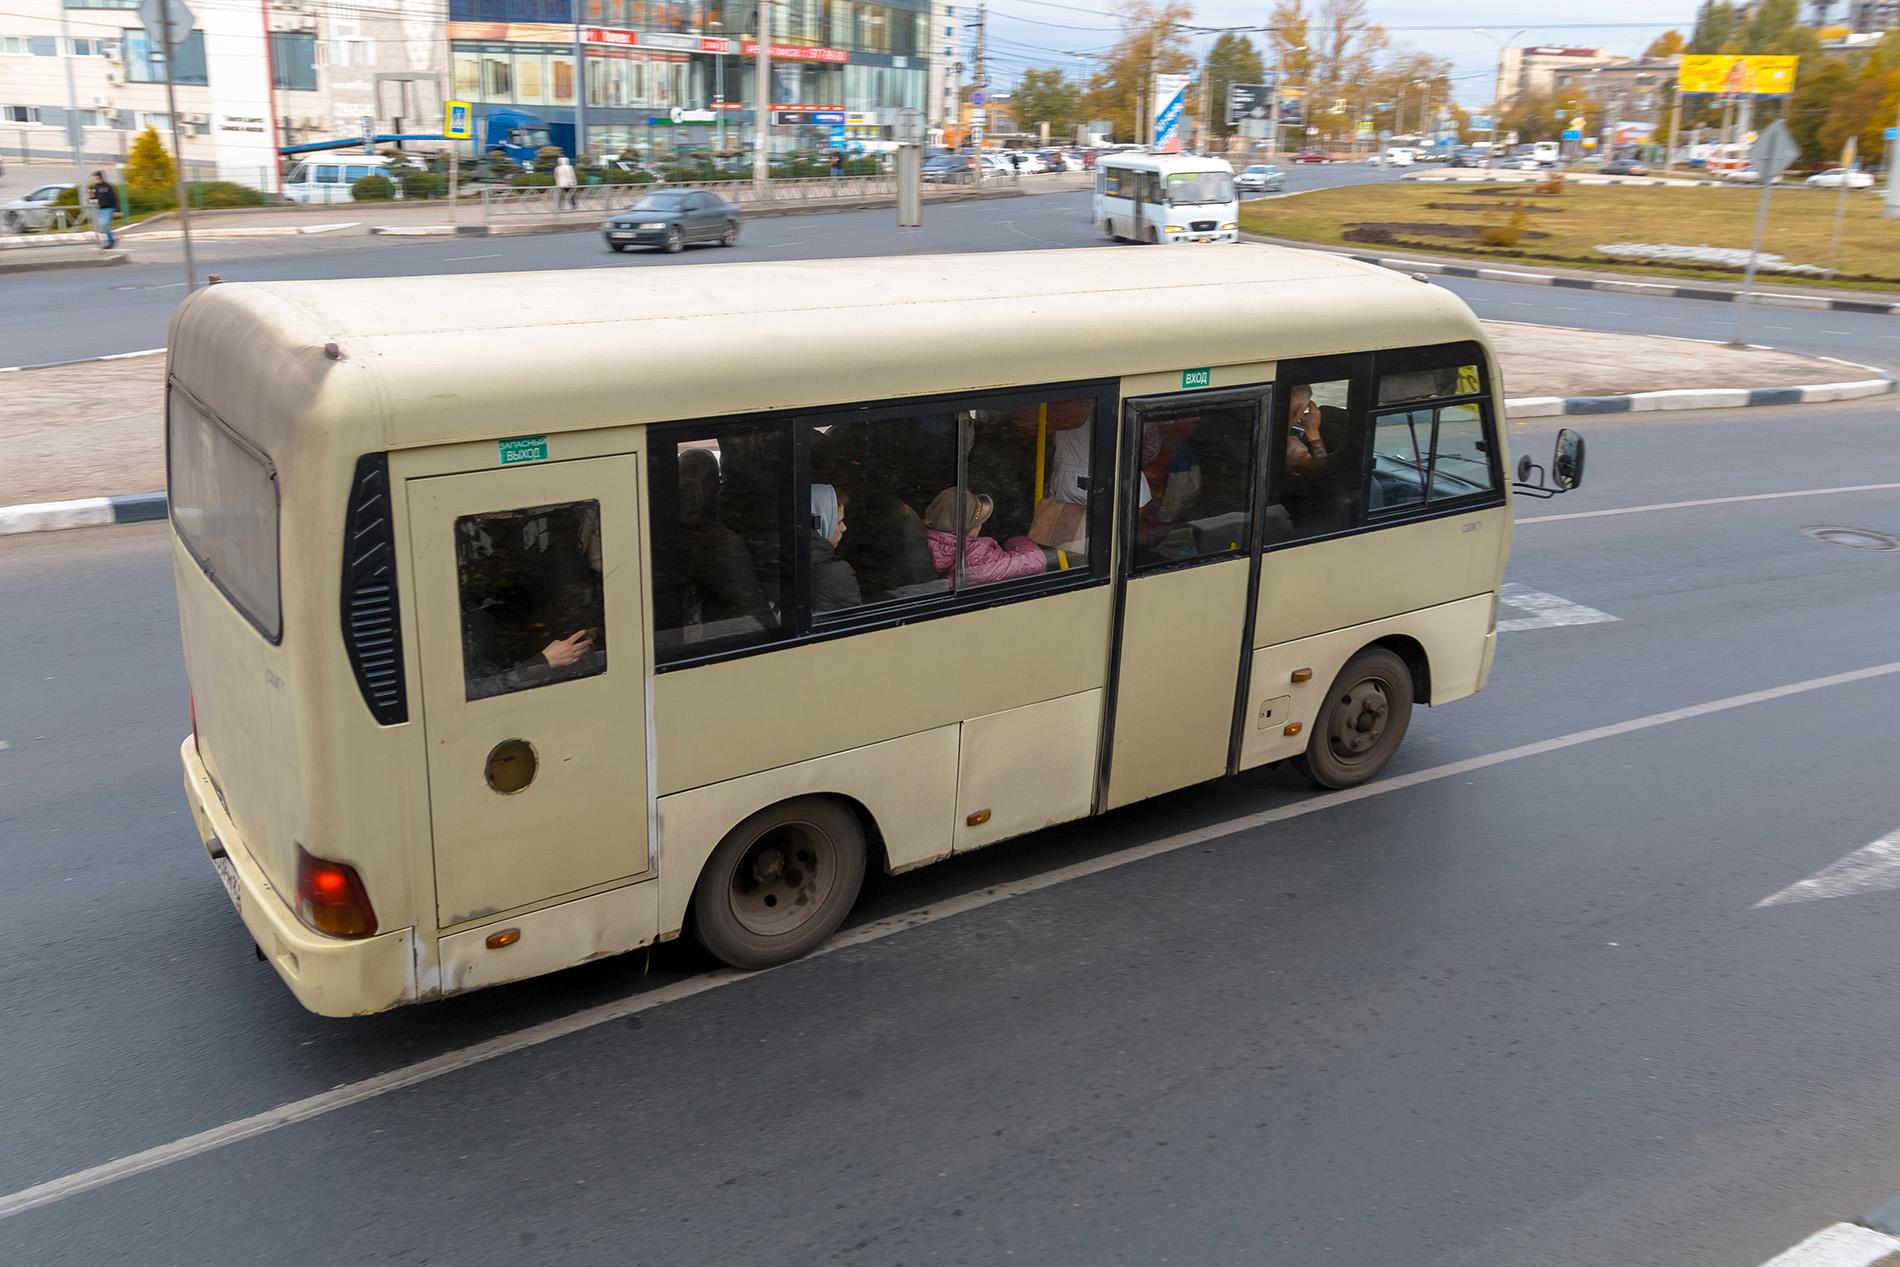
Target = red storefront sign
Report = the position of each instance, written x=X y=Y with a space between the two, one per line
x=796 y=53
x=664 y=40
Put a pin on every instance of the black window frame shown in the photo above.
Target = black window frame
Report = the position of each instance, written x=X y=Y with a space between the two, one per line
x=1358 y=371
x=805 y=627
x=1139 y=410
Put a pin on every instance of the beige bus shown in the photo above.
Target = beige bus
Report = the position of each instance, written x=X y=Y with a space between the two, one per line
x=535 y=618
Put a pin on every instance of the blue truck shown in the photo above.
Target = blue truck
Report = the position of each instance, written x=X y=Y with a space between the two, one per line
x=521 y=135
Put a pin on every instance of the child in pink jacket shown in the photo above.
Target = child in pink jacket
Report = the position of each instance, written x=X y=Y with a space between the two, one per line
x=985 y=559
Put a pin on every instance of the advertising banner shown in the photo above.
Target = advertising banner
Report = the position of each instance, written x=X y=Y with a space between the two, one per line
x=1293 y=106
x=1707 y=73
x=1248 y=101
x=1170 y=107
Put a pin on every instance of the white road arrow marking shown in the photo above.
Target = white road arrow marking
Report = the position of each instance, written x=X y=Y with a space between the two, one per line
x=1875 y=867
x=1544 y=611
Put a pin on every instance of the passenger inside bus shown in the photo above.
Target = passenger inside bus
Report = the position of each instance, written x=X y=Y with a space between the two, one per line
x=532 y=603
x=833 y=584
x=722 y=595
x=1319 y=481
x=887 y=549
x=985 y=560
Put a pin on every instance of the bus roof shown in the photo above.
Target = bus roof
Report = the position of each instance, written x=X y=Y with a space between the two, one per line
x=430 y=360
x=1165 y=163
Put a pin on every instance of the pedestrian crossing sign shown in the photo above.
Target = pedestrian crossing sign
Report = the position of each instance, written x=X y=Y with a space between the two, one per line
x=458 y=121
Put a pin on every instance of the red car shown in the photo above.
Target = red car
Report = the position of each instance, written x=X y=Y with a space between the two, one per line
x=1315 y=156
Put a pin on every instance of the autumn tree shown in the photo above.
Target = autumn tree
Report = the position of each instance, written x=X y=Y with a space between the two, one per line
x=1232 y=60
x=1153 y=41
x=1668 y=44
x=1048 y=96
x=148 y=168
x=1714 y=27
x=1769 y=25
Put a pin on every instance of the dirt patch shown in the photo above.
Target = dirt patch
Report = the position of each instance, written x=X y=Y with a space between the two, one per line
x=1485 y=206
x=1392 y=234
x=83 y=430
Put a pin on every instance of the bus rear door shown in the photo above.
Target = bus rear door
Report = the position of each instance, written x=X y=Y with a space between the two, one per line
x=534 y=670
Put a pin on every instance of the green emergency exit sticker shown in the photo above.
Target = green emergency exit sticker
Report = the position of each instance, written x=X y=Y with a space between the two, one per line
x=1196 y=378
x=523 y=449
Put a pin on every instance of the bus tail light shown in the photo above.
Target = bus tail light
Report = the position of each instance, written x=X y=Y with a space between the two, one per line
x=331 y=898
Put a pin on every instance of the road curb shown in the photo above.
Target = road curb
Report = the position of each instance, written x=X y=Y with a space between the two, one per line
x=105 y=259
x=1617 y=285
x=96 y=512
x=84 y=512
x=1872 y=1240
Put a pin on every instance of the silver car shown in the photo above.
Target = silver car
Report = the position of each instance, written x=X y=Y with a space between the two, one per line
x=34 y=210
x=1261 y=178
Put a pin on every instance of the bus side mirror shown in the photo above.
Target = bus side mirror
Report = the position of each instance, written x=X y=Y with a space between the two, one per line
x=1566 y=460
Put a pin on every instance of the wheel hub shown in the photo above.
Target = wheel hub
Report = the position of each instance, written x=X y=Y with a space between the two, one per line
x=783 y=879
x=1361 y=719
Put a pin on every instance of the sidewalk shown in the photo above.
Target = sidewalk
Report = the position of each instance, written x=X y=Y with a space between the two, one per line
x=107 y=420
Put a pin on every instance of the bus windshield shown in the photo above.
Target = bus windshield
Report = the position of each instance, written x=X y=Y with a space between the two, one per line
x=1189 y=188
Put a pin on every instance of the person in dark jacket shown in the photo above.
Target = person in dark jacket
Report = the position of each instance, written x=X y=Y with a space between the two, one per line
x=105 y=205
x=833 y=584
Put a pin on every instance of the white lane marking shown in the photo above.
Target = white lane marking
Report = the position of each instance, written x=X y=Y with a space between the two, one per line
x=4 y=745
x=1842 y=1245
x=774 y=246
x=1875 y=866
x=1544 y=611
x=350 y=1093
x=456 y=258
x=116 y=356
x=1711 y=501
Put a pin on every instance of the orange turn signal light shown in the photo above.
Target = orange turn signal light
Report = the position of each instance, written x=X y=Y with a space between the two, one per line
x=1302 y=675
x=977 y=819
x=506 y=937
x=1292 y=728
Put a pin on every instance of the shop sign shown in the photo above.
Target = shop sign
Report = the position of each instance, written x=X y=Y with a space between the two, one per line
x=797 y=53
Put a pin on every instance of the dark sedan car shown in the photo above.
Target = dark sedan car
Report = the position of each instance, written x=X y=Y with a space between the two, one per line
x=1624 y=167
x=671 y=218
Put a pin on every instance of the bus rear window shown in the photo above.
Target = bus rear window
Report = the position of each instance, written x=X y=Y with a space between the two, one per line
x=223 y=496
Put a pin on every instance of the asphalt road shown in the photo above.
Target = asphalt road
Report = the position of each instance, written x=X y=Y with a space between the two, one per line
x=1526 y=1012
x=94 y=312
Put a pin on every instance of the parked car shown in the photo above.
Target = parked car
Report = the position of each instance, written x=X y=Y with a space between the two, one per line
x=1055 y=161
x=1742 y=176
x=1264 y=177
x=1316 y=156
x=331 y=177
x=671 y=218
x=995 y=165
x=1470 y=158
x=1396 y=156
x=1853 y=178
x=1025 y=162
x=949 y=168
x=33 y=210
x=1625 y=167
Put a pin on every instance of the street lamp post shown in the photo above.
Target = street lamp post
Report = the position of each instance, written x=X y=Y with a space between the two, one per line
x=1497 y=86
x=719 y=89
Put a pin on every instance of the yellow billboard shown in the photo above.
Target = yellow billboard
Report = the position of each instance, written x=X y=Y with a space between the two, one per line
x=1727 y=72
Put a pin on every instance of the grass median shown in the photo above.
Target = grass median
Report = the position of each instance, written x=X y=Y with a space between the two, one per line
x=1566 y=228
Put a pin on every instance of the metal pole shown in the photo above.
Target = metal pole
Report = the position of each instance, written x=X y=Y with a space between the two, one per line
x=719 y=91
x=983 y=90
x=1892 y=209
x=74 y=131
x=580 y=87
x=1273 y=107
x=762 y=86
x=1748 y=277
x=1675 y=133
x=178 y=151
x=1849 y=159
x=455 y=176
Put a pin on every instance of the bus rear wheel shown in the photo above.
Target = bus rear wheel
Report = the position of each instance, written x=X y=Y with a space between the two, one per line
x=779 y=883
x=1362 y=722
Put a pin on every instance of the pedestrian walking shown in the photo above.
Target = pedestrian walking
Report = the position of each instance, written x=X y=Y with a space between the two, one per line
x=105 y=205
x=566 y=196
x=837 y=164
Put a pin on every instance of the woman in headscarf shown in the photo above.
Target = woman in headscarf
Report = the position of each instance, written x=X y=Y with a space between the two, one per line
x=986 y=560
x=833 y=583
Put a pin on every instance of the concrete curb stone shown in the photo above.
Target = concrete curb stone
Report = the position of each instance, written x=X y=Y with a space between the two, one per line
x=84 y=512
x=28 y=264
x=1621 y=286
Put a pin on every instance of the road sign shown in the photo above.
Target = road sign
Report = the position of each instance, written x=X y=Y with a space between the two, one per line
x=458 y=120
x=1482 y=123
x=153 y=15
x=1571 y=134
x=1773 y=152
x=1892 y=134
x=978 y=97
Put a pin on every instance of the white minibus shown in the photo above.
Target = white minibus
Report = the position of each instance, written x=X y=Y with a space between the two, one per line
x=330 y=177
x=1166 y=198
x=762 y=580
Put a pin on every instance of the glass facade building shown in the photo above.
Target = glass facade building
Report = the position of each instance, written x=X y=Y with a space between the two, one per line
x=662 y=76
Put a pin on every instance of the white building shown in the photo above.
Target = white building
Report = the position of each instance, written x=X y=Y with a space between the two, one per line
x=321 y=71
x=946 y=63
x=1530 y=71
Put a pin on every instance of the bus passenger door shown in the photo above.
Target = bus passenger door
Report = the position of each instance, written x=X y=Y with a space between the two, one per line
x=533 y=663
x=1187 y=571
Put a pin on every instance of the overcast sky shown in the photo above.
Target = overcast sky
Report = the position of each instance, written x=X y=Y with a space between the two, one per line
x=1026 y=33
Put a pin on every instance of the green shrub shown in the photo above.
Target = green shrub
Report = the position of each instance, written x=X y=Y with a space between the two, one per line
x=422 y=185
x=531 y=180
x=144 y=202
x=547 y=158
x=216 y=194
x=373 y=188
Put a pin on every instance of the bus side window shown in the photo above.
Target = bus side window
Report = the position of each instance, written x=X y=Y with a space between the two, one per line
x=720 y=514
x=1317 y=444
x=1196 y=489
x=532 y=603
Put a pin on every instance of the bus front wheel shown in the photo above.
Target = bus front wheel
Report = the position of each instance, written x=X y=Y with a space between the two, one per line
x=1361 y=723
x=779 y=883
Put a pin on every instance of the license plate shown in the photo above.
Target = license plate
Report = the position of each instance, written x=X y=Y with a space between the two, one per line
x=622 y=237
x=228 y=874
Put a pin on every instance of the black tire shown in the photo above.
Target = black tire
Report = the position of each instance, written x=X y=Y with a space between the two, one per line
x=616 y=247
x=675 y=240
x=13 y=221
x=731 y=236
x=1361 y=723
x=805 y=853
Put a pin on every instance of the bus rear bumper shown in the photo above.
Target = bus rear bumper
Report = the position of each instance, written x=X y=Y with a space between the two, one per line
x=331 y=976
